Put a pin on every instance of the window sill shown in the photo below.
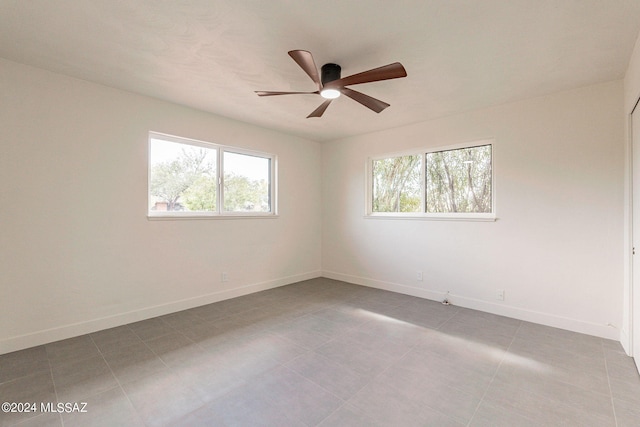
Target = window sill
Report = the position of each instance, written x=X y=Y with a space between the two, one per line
x=199 y=216
x=435 y=217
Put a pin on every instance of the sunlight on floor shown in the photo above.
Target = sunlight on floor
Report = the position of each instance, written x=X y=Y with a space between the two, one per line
x=477 y=348
x=378 y=316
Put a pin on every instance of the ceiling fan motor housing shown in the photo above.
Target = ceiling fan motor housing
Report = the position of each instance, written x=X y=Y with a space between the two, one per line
x=329 y=73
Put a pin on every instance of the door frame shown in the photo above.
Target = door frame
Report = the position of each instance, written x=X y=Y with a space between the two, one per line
x=633 y=339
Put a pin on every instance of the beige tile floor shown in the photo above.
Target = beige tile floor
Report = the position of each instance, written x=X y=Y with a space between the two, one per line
x=326 y=353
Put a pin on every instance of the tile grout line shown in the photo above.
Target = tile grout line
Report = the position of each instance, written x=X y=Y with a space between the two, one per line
x=171 y=369
x=345 y=402
x=317 y=385
x=606 y=367
x=55 y=389
x=495 y=374
x=117 y=380
x=399 y=360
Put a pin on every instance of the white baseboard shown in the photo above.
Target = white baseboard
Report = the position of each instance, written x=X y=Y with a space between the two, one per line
x=73 y=330
x=547 y=319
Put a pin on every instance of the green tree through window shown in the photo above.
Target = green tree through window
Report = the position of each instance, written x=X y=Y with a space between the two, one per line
x=184 y=178
x=171 y=179
x=396 y=184
x=459 y=180
x=455 y=181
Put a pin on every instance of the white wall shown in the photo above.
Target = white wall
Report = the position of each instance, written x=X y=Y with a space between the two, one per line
x=77 y=252
x=556 y=248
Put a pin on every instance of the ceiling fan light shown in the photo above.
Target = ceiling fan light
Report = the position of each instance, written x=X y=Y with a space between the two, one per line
x=330 y=93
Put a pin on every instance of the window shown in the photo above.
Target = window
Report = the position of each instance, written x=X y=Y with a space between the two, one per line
x=190 y=178
x=448 y=183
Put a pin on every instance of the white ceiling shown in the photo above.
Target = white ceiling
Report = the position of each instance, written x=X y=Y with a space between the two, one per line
x=213 y=54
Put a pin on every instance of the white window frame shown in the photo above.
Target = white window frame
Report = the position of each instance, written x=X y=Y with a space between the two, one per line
x=220 y=150
x=453 y=216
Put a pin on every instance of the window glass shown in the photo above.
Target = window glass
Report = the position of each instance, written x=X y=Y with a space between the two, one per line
x=459 y=180
x=182 y=177
x=246 y=183
x=397 y=184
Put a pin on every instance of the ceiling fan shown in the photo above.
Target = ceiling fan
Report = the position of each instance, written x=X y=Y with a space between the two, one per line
x=331 y=85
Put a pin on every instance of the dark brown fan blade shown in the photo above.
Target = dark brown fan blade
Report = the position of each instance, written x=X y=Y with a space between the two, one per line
x=318 y=112
x=305 y=60
x=369 y=102
x=386 y=72
x=265 y=93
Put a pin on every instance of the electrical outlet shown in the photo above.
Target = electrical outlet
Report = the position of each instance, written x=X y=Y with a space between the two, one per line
x=225 y=277
x=500 y=294
x=419 y=276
